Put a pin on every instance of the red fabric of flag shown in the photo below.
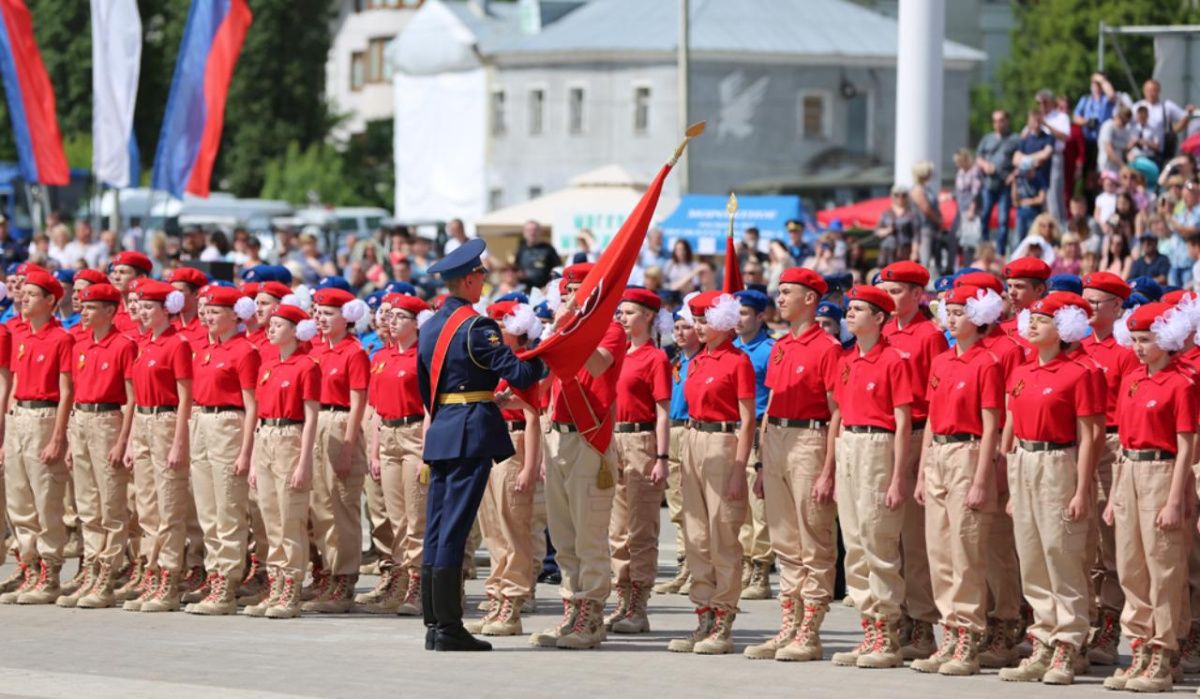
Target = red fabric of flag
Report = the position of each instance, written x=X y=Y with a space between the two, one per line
x=733 y=272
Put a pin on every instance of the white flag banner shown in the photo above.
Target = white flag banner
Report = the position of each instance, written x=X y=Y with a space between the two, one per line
x=116 y=63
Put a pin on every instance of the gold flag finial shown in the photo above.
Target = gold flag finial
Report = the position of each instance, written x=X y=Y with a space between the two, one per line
x=692 y=131
x=731 y=207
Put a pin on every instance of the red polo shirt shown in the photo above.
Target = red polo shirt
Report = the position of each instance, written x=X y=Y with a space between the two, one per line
x=604 y=386
x=961 y=387
x=5 y=347
x=344 y=368
x=1095 y=373
x=1010 y=352
x=716 y=381
x=160 y=363
x=645 y=379
x=16 y=323
x=1152 y=410
x=38 y=358
x=868 y=388
x=284 y=385
x=258 y=338
x=394 y=383
x=1046 y=400
x=801 y=371
x=1116 y=362
x=125 y=323
x=1009 y=327
x=917 y=343
x=101 y=367
x=222 y=370
x=195 y=331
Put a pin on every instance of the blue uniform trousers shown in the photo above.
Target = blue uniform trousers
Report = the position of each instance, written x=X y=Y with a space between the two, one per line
x=455 y=491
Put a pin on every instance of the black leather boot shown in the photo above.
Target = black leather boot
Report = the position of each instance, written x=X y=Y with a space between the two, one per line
x=447 y=606
x=427 y=606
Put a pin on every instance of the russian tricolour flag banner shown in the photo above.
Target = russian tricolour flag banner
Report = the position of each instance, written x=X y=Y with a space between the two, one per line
x=191 y=130
x=116 y=65
x=30 y=99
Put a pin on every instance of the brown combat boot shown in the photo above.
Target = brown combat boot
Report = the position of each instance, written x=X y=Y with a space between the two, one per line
x=14 y=581
x=82 y=584
x=101 y=595
x=28 y=578
x=850 y=658
x=636 y=619
x=920 y=641
x=507 y=619
x=194 y=586
x=221 y=599
x=944 y=654
x=411 y=604
x=886 y=651
x=134 y=585
x=274 y=584
x=624 y=591
x=319 y=586
x=759 y=585
x=1137 y=665
x=769 y=649
x=704 y=624
x=46 y=589
x=720 y=639
x=1102 y=648
x=806 y=645
x=392 y=593
x=1189 y=651
x=588 y=631
x=998 y=649
x=338 y=599
x=387 y=577
x=146 y=590
x=966 y=655
x=287 y=606
x=167 y=596
x=549 y=637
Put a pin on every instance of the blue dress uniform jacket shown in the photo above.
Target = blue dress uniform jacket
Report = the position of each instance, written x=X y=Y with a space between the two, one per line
x=476 y=360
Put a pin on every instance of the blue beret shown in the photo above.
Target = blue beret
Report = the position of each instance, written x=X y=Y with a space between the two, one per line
x=223 y=283
x=283 y=275
x=842 y=281
x=1065 y=282
x=758 y=287
x=1135 y=299
x=829 y=309
x=1147 y=287
x=876 y=279
x=373 y=300
x=944 y=283
x=334 y=283
x=401 y=288
x=65 y=276
x=754 y=299
x=513 y=296
x=257 y=273
x=461 y=261
x=670 y=297
x=542 y=310
x=12 y=267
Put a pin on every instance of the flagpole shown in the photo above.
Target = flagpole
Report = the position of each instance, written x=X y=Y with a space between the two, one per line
x=682 y=68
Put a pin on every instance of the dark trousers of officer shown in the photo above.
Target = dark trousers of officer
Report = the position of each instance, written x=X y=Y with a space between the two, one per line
x=455 y=491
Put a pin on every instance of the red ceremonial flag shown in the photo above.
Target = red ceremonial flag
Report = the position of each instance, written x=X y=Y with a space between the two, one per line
x=31 y=105
x=733 y=273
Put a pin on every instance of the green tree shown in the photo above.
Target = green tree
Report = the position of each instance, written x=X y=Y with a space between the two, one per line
x=370 y=165
x=312 y=175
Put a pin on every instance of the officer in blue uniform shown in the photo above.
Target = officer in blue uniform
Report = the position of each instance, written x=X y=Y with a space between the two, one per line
x=466 y=435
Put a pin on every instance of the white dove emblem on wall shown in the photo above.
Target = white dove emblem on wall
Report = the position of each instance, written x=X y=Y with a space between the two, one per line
x=738 y=104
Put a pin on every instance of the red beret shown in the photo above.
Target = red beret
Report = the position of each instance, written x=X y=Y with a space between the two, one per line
x=222 y=296
x=293 y=314
x=100 y=292
x=1144 y=315
x=132 y=258
x=872 y=295
x=189 y=275
x=703 y=301
x=1027 y=268
x=406 y=302
x=152 y=290
x=42 y=279
x=907 y=272
x=250 y=289
x=960 y=294
x=1059 y=300
x=804 y=277
x=1109 y=282
x=982 y=280
x=91 y=276
x=575 y=273
x=27 y=267
x=643 y=297
x=273 y=289
x=498 y=310
x=1174 y=297
x=332 y=297
x=136 y=285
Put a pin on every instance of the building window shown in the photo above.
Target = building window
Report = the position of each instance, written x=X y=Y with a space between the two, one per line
x=495 y=199
x=641 y=110
x=537 y=111
x=498 y=126
x=377 y=69
x=813 y=117
x=575 y=110
x=535 y=191
x=358 y=70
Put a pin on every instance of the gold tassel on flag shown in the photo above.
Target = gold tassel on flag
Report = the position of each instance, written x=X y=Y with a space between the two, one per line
x=423 y=475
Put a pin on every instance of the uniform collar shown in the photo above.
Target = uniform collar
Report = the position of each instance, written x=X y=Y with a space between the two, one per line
x=873 y=354
x=723 y=348
x=1054 y=364
x=968 y=356
x=340 y=344
x=171 y=330
x=755 y=341
x=912 y=325
x=108 y=337
x=813 y=332
x=51 y=324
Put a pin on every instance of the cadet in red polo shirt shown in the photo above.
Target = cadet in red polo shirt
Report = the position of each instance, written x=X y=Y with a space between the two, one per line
x=1046 y=438
x=1157 y=410
x=873 y=389
x=162 y=388
x=642 y=437
x=35 y=443
x=13 y=580
x=288 y=397
x=125 y=267
x=83 y=279
x=797 y=476
x=956 y=482
x=341 y=456
x=267 y=297
x=222 y=439
x=918 y=340
x=99 y=432
x=720 y=390
x=395 y=450
x=1026 y=278
x=188 y=281
x=506 y=513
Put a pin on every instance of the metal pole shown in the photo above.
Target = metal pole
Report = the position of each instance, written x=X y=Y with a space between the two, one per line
x=682 y=68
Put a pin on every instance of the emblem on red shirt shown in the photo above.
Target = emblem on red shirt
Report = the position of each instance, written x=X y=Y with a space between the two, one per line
x=207 y=358
x=21 y=350
x=379 y=367
x=266 y=376
x=846 y=373
x=778 y=355
x=1133 y=387
x=934 y=381
x=1018 y=388
x=82 y=360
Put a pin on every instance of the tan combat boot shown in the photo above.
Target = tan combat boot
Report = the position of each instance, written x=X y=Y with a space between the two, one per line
x=806 y=645
x=28 y=578
x=194 y=586
x=1062 y=665
x=46 y=589
x=944 y=654
x=1157 y=675
x=529 y=606
x=507 y=620
x=1189 y=651
x=789 y=610
x=623 y=593
x=704 y=624
x=492 y=609
x=636 y=619
x=221 y=600
x=14 y=581
x=411 y=604
x=146 y=590
x=319 y=586
x=549 y=637
x=287 y=606
x=920 y=641
x=672 y=586
x=588 y=631
x=82 y=583
x=886 y=651
x=1033 y=668
x=338 y=599
x=101 y=595
x=254 y=587
x=720 y=639
x=966 y=655
x=167 y=596
x=387 y=578
x=1102 y=647
x=274 y=584
x=1137 y=665
x=134 y=585
x=747 y=571
x=997 y=649
x=392 y=593
x=850 y=658
x=759 y=585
